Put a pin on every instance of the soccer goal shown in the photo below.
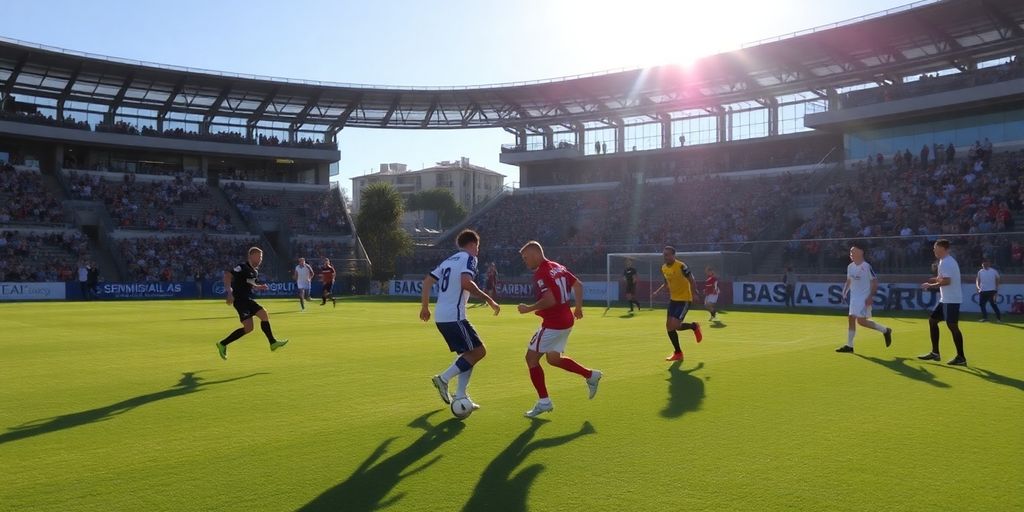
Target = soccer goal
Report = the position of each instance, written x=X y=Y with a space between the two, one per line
x=727 y=265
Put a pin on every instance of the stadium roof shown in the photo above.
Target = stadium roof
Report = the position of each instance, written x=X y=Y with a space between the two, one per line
x=921 y=37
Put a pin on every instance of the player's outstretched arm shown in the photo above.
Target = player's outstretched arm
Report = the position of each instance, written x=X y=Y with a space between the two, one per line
x=470 y=286
x=428 y=283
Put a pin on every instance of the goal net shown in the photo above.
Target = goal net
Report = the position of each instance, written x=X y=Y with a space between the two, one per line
x=727 y=265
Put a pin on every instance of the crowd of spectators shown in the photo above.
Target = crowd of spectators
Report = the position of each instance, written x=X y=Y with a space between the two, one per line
x=36 y=117
x=182 y=258
x=40 y=257
x=316 y=249
x=151 y=205
x=304 y=212
x=965 y=196
x=25 y=199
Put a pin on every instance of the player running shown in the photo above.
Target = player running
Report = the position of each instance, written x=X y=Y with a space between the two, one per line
x=239 y=283
x=327 y=275
x=861 y=285
x=303 y=274
x=629 y=275
x=711 y=292
x=680 y=285
x=552 y=284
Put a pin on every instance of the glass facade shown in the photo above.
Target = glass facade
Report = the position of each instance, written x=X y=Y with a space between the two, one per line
x=963 y=131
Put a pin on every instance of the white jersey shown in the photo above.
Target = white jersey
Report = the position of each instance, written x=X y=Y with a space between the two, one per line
x=451 y=298
x=860 y=277
x=987 y=279
x=952 y=293
x=303 y=275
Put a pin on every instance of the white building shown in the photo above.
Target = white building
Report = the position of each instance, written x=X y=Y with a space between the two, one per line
x=469 y=184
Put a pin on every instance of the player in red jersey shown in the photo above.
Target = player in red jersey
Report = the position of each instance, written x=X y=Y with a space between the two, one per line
x=552 y=285
x=327 y=275
x=491 y=284
x=711 y=292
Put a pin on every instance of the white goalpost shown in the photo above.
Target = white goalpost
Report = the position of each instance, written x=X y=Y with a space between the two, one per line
x=727 y=265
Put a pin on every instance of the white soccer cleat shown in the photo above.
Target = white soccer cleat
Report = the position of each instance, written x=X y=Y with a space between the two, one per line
x=539 y=408
x=593 y=381
x=442 y=388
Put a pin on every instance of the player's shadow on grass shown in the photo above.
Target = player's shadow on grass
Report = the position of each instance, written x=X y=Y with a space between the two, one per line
x=900 y=366
x=498 y=490
x=374 y=479
x=188 y=384
x=717 y=325
x=685 y=390
x=990 y=376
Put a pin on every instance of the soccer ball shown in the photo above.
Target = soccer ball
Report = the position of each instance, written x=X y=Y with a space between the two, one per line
x=462 y=408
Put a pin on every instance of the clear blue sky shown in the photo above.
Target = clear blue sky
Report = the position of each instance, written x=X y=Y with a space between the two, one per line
x=417 y=42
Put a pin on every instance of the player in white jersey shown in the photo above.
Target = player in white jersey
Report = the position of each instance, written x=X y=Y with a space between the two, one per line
x=303 y=274
x=987 y=284
x=951 y=294
x=861 y=285
x=455 y=283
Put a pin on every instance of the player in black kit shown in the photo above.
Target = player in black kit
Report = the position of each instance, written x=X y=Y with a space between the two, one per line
x=239 y=283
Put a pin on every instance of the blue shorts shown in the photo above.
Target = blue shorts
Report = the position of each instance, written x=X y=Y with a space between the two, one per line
x=678 y=309
x=460 y=336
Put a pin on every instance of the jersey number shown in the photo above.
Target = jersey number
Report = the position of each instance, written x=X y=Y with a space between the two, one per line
x=563 y=288
x=445 y=275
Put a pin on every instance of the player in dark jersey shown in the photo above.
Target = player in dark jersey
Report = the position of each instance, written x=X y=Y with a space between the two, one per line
x=630 y=276
x=327 y=274
x=239 y=283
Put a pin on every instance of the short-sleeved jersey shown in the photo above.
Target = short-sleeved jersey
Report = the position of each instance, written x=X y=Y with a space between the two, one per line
x=243 y=278
x=860 y=277
x=327 y=274
x=677 y=278
x=711 y=285
x=492 y=278
x=987 y=278
x=303 y=273
x=952 y=293
x=552 y=276
x=451 y=298
x=630 y=275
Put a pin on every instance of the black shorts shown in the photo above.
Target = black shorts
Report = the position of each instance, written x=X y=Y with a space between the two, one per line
x=460 y=336
x=949 y=313
x=247 y=308
x=630 y=287
x=678 y=309
x=328 y=285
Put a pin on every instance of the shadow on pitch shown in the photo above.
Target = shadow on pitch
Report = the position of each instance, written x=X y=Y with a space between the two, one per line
x=717 y=325
x=188 y=384
x=685 y=390
x=498 y=490
x=368 y=487
x=900 y=366
x=990 y=376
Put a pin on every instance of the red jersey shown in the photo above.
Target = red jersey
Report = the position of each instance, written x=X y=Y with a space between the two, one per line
x=711 y=286
x=552 y=276
x=327 y=274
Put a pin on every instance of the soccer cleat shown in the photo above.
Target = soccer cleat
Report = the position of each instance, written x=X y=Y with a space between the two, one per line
x=982 y=320
x=442 y=388
x=278 y=344
x=539 y=408
x=844 y=349
x=592 y=382
x=222 y=350
x=958 y=361
x=696 y=332
x=676 y=356
x=888 y=336
x=930 y=356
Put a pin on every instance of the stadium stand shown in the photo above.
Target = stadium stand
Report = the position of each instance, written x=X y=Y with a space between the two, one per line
x=33 y=255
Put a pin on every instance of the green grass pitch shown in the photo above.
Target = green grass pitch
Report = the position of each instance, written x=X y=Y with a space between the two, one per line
x=126 y=406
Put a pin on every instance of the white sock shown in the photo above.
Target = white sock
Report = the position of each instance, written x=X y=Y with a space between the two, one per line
x=849 y=338
x=545 y=400
x=451 y=372
x=878 y=327
x=460 y=390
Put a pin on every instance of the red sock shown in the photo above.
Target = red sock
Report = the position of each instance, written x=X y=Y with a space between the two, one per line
x=537 y=376
x=569 y=365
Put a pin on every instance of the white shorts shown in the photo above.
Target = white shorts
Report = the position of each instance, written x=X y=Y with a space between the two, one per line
x=549 y=340
x=711 y=299
x=302 y=286
x=858 y=309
